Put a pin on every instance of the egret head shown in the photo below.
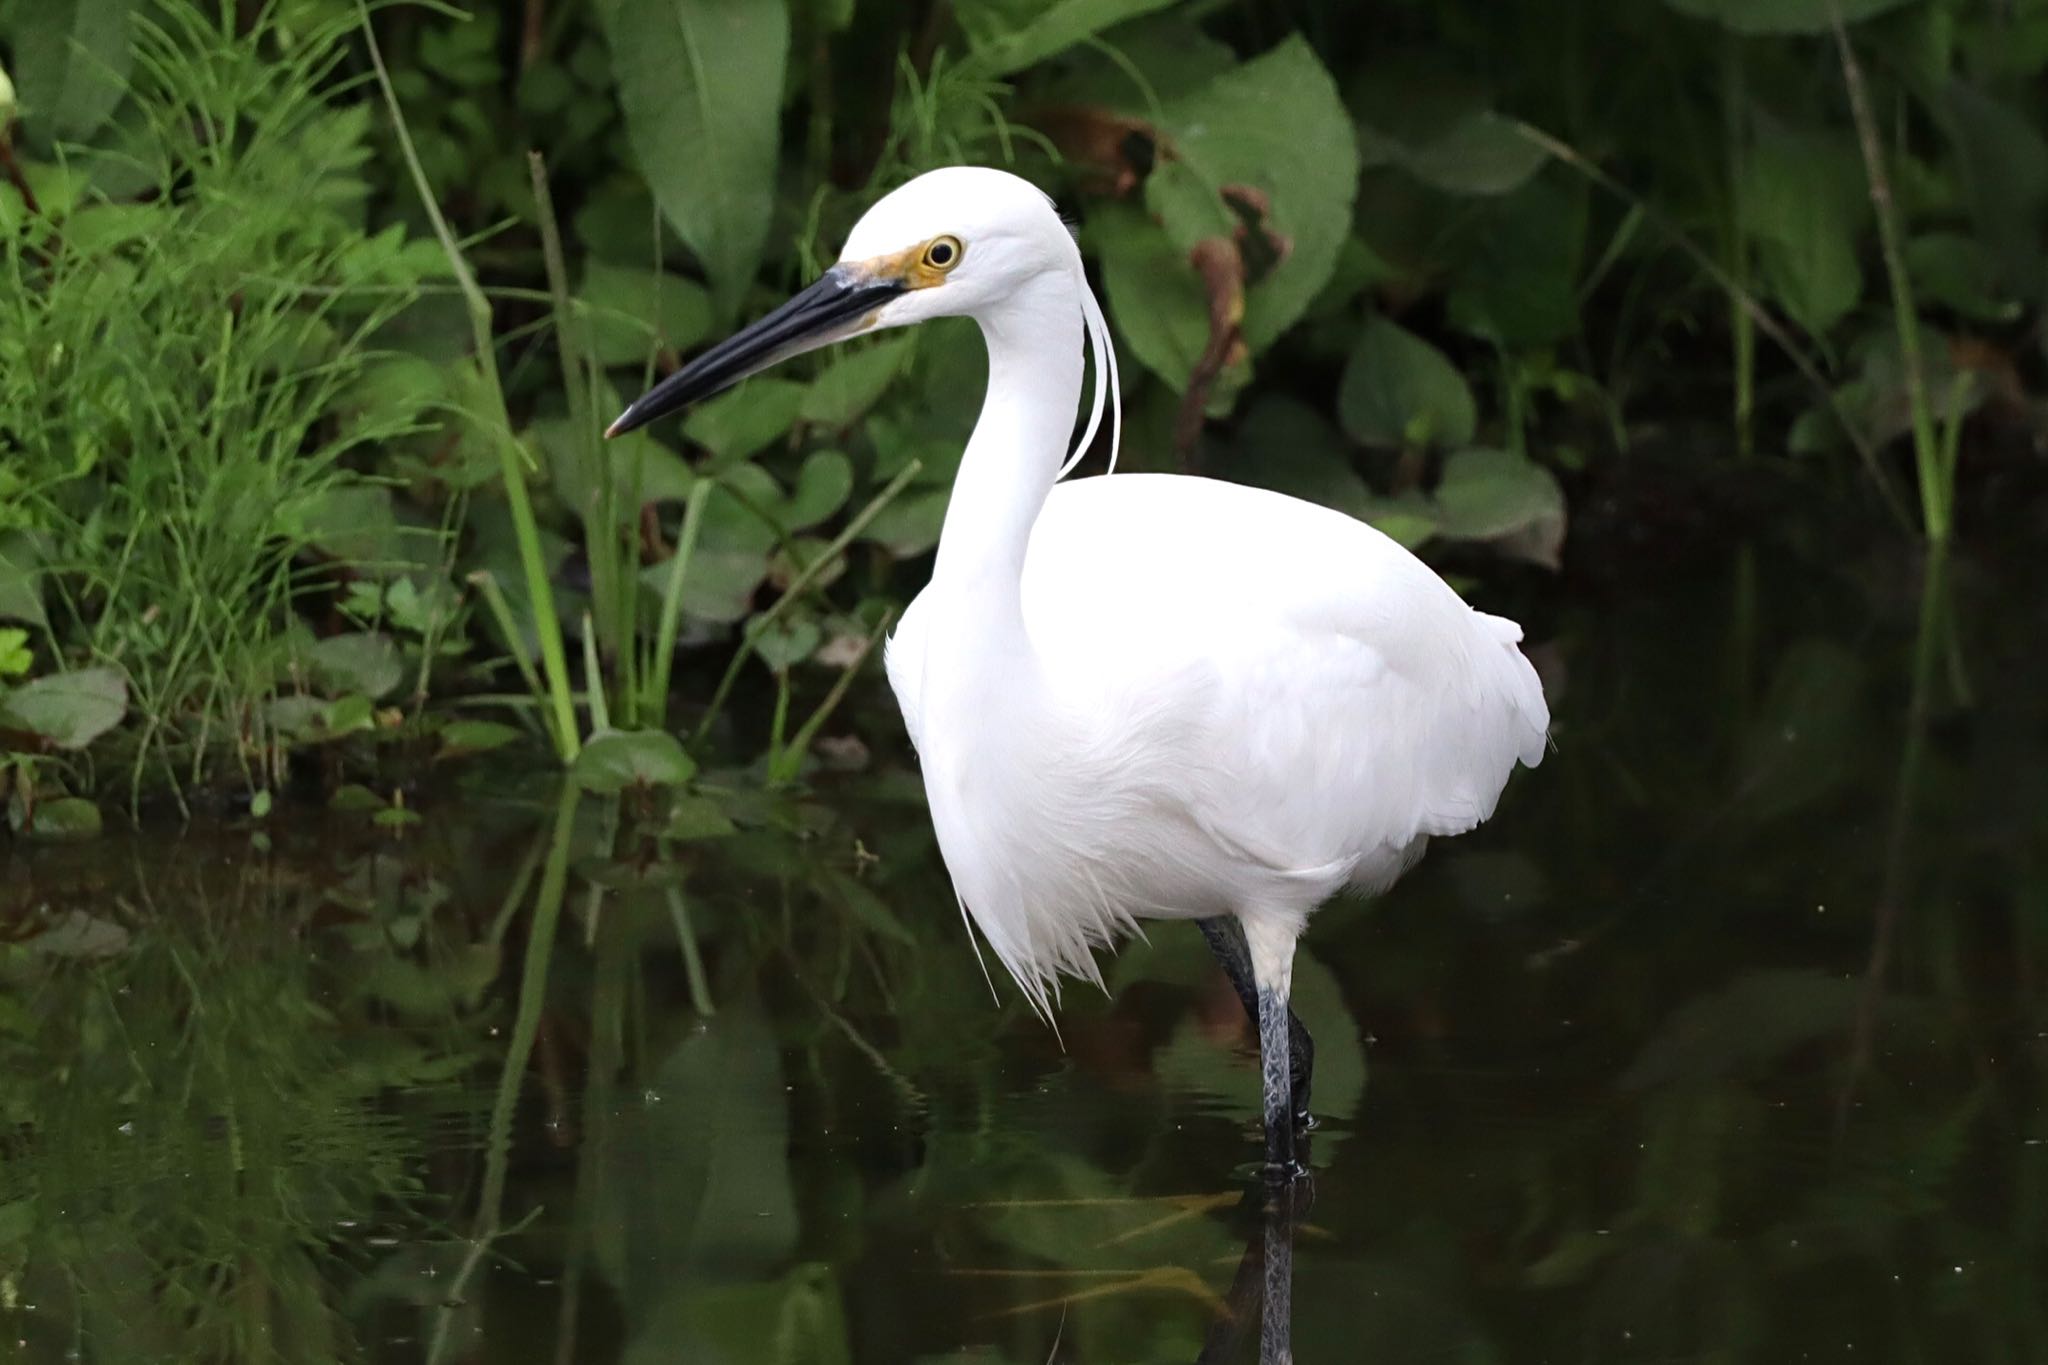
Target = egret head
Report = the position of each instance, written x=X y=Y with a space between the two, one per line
x=952 y=242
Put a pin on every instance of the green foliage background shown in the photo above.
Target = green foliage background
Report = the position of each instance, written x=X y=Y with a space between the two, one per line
x=1444 y=265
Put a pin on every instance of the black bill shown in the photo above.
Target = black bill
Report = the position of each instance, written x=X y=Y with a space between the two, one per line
x=820 y=314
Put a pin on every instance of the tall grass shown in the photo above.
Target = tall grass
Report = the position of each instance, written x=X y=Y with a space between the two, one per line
x=177 y=343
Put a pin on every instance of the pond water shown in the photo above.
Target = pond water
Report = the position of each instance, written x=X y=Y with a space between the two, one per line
x=1726 y=1040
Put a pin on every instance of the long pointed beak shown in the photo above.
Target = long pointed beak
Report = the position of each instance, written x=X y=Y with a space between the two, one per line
x=827 y=311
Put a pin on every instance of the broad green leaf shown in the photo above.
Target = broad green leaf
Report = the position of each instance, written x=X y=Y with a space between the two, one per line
x=1285 y=445
x=1782 y=16
x=16 y=655
x=1496 y=495
x=1152 y=291
x=2003 y=160
x=1961 y=273
x=1398 y=389
x=69 y=710
x=1480 y=153
x=692 y=1182
x=1009 y=35
x=700 y=82
x=1516 y=282
x=21 y=596
x=738 y=424
x=362 y=661
x=617 y=759
x=71 y=58
x=910 y=525
x=59 y=819
x=697 y=817
x=787 y=643
x=631 y=312
x=822 y=487
x=1803 y=201
x=1276 y=125
x=850 y=385
x=474 y=737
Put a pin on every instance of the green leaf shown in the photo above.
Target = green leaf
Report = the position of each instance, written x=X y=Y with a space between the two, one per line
x=16 y=657
x=362 y=661
x=1006 y=35
x=1397 y=389
x=617 y=759
x=1516 y=282
x=1161 y=315
x=1276 y=124
x=692 y=1178
x=787 y=643
x=1499 y=496
x=869 y=909
x=71 y=58
x=738 y=424
x=1479 y=153
x=631 y=312
x=21 y=595
x=697 y=817
x=69 y=710
x=1781 y=16
x=850 y=385
x=700 y=82
x=1803 y=201
x=475 y=737
x=1288 y=446
x=822 y=487
x=58 y=820
x=910 y=525
x=1961 y=273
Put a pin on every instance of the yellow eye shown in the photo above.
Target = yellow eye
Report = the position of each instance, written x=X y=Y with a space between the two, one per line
x=943 y=253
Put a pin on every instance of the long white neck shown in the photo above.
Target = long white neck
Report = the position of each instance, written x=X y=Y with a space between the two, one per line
x=1019 y=443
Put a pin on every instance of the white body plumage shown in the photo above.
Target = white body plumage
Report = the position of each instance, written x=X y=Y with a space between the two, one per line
x=1140 y=696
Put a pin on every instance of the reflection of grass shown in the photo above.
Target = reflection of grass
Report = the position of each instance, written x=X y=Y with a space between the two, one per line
x=192 y=1127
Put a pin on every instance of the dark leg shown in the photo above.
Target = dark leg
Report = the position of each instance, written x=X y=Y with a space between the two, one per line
x=1226 y=940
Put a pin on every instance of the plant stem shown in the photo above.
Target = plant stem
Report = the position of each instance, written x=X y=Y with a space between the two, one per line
x=554 y=659
x=782 y=768
x=1718 y=273
x=655 y=703
x=797 y=585
x=1934 y=492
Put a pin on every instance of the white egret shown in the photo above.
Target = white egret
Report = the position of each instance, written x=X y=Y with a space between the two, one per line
x=1143 y=695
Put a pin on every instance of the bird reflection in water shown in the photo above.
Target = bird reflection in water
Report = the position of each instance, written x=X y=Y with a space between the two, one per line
x=1262 y=1291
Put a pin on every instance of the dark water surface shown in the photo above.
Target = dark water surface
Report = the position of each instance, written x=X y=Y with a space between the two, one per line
x=1726 y=1041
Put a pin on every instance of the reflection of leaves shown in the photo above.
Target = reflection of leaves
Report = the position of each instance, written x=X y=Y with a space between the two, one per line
x=1754 y=1019
x=78 y=934
x=796 y=1320
x=1782 y=16
x=1801 y=745
x=693 y=1183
